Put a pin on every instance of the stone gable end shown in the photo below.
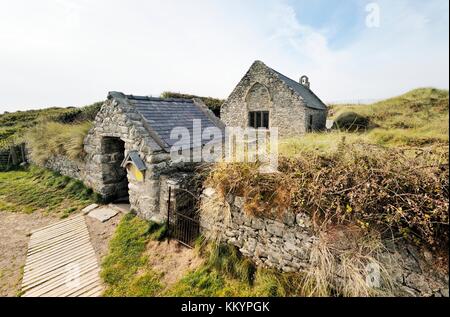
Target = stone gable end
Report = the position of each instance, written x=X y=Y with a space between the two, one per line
x=261 y=89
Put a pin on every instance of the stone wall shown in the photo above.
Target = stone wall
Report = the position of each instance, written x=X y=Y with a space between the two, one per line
x=119 y=120
x=261 y=90
x=66 y=166
x=286 y=245
x=118 y=129
x=319 y=119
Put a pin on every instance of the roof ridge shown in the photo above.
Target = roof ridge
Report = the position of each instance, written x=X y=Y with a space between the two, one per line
x=307 y=89
x=159 y=99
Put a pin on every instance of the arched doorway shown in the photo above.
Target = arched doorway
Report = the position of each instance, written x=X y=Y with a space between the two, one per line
x=114 y=177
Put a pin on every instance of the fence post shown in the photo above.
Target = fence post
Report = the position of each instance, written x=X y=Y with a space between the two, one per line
x=168 y=215
x=14 y=156
x=22 y=152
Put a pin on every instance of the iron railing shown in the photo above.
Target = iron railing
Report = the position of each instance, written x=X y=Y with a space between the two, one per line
x=183 y=222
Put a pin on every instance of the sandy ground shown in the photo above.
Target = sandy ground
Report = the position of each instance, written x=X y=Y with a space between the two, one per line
x=101 y=233
x=172 y=259
x=14 y=235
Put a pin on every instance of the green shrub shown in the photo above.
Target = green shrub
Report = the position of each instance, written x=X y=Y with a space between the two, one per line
x=351 y=121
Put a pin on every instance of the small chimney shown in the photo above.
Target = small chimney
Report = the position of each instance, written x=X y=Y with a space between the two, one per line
x=304 y=80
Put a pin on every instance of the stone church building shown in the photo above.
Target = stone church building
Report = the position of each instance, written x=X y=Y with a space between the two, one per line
x=128 y=149
x=265 y=98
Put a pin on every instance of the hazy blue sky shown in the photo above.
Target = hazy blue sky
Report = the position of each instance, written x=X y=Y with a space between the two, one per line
x=72 y=52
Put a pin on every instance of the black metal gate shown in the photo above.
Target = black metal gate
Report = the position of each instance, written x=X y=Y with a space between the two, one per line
x=182 y=217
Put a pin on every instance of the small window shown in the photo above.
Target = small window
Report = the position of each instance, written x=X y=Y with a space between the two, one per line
x=258 y=119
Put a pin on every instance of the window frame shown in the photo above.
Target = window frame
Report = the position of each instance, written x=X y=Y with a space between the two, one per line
x=261 y=116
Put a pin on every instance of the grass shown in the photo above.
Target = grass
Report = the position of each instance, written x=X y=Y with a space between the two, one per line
x=125 y=270
x=340 y=269
x=413 y=109
x=35 y=189
x=224 y=273
x=52 y=139
x=417 y=118
x=14 y=125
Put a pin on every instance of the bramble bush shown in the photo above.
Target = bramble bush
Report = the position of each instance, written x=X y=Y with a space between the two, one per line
x=401 y=190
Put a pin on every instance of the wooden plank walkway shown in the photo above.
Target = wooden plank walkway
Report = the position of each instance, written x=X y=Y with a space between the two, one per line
x=61 y=262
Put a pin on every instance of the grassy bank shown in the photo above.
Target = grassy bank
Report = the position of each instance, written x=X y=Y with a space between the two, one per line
x=419 y=118
x=36 y=189
x=125 y=270
x=223 y=272
x=52 y=138
x=14 y=125
x=415 y=119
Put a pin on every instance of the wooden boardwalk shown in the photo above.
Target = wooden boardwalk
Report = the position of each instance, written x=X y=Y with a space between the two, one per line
x=61 y=262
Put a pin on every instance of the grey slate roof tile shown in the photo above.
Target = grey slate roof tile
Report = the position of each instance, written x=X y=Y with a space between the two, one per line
x=133 y=156
x=163 y=115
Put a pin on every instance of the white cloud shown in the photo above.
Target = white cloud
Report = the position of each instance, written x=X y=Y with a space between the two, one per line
x=405 y=52
x=62 y=52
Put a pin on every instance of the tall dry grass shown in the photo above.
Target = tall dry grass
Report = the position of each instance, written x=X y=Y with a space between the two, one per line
x=340 y=261
x=48 y=139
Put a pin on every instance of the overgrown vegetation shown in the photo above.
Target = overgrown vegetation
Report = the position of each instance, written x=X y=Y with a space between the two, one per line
x=35 y=189
x=213 y=104
x=352 y=122
x=339 y=261
x=401 y=190
x=13 y=126
x=225 y=272
x=52 y=139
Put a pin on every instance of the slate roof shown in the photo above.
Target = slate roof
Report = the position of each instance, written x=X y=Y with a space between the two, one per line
x=164 y=114
x=133 y=156
x=311 y=100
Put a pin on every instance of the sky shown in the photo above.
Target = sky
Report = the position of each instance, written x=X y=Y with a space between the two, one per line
x=73 y=52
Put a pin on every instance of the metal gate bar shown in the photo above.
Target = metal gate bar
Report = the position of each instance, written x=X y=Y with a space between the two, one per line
x=181 y=225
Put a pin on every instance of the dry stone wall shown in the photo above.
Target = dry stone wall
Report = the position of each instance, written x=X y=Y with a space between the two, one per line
x=66 y=166
x=286 y=245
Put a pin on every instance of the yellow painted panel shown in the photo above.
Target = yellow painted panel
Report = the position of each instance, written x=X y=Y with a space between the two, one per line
x=137 y=174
